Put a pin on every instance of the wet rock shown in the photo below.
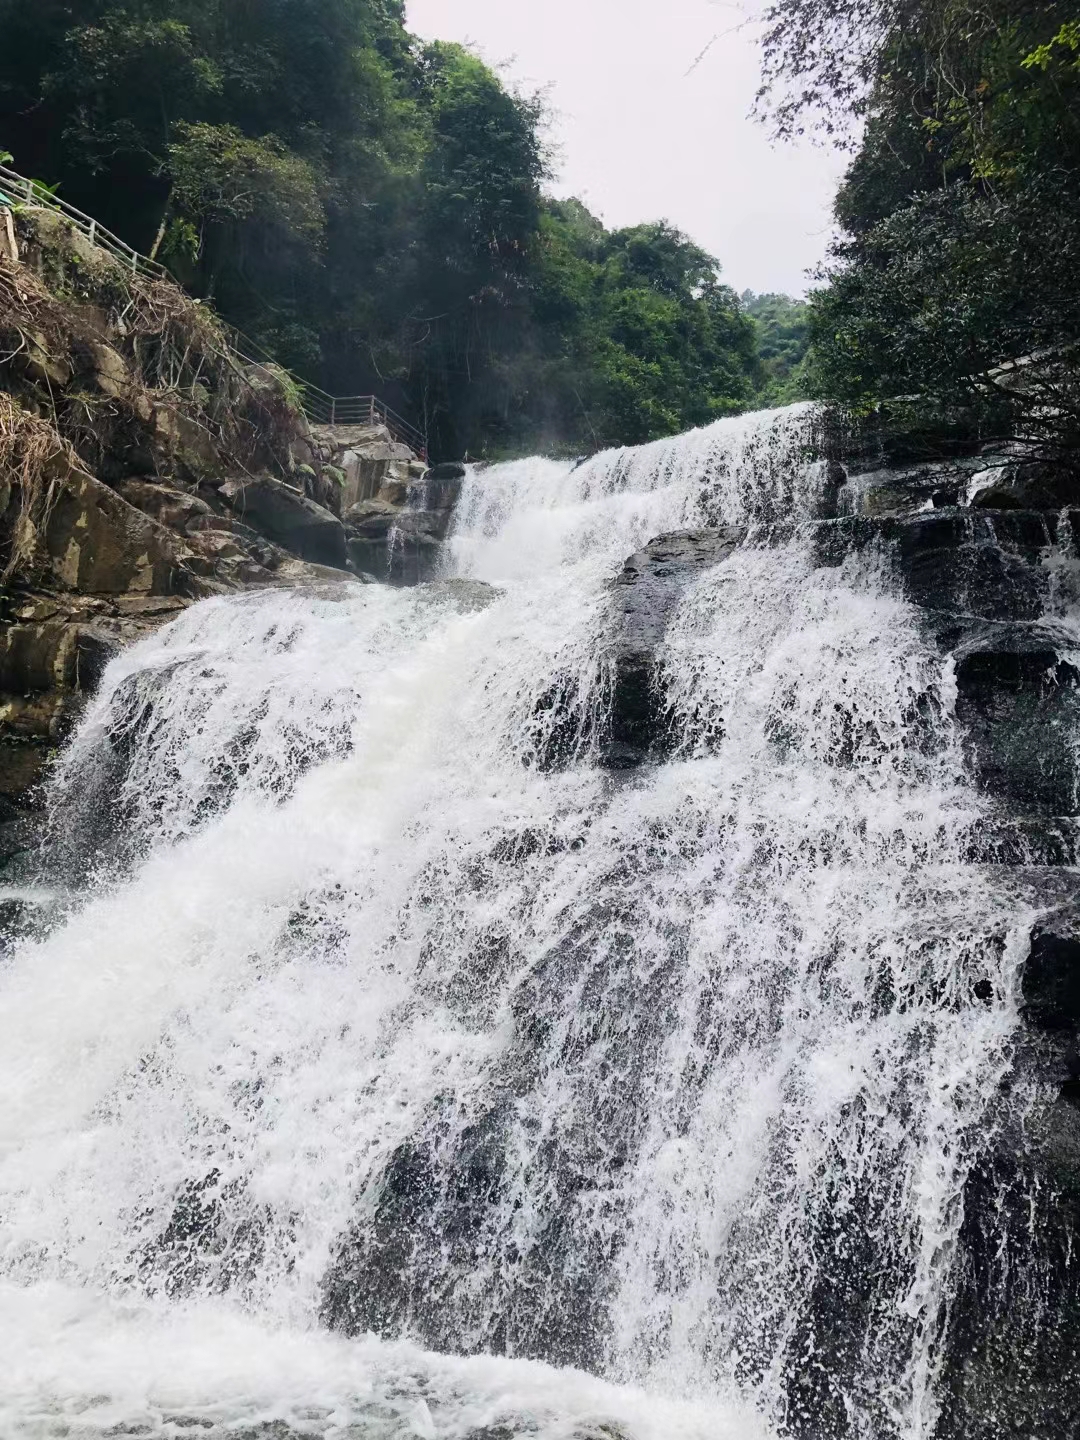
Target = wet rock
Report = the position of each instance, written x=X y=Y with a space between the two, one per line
x=644 y=595
x=467 y=596
x=430 y=1212
x=907 y=490
x=447 y=471
x=1010 y=1351
x=23 y=762
x=399 y=546
x=37 y=657
x=371 y=519
x=18 y=832
x=1024 y=840
x=1050 y=981
x=1024 y=485
x=985 y=564
x=15 y=923
x=1018 y=701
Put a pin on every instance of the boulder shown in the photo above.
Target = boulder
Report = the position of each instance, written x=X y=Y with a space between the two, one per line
x=97 y=543
x=980 y=563
x=103 y=369
x=1018 y=703
x=644 y=595
x=370 y=468
x=394 y=487
x=292 y=520
x=189 y=445
x=371 y=519
x=22 y=766
x=440 y=491
x=42 y=364
x=1024 y=485
x=1050 y=979
x=170 y=506
x=447 y=470
x=39 y=717
x=906 y=490
x=37 y=657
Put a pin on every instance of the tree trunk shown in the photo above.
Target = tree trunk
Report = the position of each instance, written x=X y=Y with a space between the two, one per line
x=160 y=236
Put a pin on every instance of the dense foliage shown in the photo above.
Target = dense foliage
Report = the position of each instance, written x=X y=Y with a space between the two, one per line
x=783 y=330
x=370 y=209
x=960 y=251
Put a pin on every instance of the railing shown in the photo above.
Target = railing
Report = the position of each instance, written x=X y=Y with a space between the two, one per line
x=319 y=407
x=324 y=409
x=16 y=189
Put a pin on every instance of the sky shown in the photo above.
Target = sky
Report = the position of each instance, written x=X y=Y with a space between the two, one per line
x=649 y=127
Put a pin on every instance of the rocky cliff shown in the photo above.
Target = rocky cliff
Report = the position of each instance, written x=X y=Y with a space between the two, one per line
x=145 y=465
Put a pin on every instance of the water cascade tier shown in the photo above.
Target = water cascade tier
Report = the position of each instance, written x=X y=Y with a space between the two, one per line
x=577 y=998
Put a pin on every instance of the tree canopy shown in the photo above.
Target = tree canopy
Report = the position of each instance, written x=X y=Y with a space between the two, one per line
x=783 y=333
x=960 y=214
x=371 y=209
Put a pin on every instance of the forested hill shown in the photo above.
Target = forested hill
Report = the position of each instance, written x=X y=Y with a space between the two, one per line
x=371 y=209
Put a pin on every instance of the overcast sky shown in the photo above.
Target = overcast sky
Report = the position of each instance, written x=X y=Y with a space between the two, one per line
x=644 y=132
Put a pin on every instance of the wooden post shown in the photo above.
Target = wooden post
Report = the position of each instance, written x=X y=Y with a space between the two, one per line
x=93 y=232
x=333 y=412
x=9 y=228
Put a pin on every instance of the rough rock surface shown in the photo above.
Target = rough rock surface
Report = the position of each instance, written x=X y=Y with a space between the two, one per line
x=287 y=516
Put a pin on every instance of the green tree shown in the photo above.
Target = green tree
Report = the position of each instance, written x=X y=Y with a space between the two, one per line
x=783 y=334
x=370 y=209
x=960 y=250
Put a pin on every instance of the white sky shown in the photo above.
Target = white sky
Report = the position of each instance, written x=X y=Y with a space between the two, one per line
x=639 y=138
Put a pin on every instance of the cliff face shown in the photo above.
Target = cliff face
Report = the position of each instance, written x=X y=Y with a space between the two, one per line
x=143 y=466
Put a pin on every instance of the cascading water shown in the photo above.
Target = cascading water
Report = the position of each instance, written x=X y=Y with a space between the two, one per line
x=368 y=1020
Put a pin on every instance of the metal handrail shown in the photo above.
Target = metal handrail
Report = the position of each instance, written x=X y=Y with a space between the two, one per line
x=32 y=192
x=319 y=407
x=327 y=409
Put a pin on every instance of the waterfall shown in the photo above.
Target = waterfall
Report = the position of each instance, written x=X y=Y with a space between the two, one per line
x=386 y=1076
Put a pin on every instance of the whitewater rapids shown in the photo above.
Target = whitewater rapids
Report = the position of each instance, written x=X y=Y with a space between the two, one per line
x=381 y=1079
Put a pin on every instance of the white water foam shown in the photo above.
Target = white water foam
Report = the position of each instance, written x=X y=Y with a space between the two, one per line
x=377 y=1020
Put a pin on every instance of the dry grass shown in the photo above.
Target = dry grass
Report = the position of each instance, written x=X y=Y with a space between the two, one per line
x=36 y=461
x=176 y=351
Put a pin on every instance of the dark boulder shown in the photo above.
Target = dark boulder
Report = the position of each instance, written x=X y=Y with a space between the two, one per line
x=447 y=470
x=1024 y=485
x=1050 y=982
x=1018 y=702
x=400 y=546
x=907 y=489
x=644 y=595
x=288 y=517
x=977 y=563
